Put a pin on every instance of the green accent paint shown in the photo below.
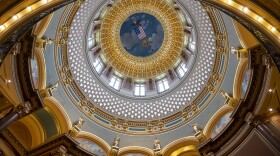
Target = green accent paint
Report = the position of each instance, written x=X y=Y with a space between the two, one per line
x=48 y=122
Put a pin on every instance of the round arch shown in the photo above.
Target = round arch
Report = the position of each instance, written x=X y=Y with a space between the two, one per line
x=215 y=118
x=135 y=150
x=95 y=139
x=237 y=84
x=182 y=146
x=59 y=114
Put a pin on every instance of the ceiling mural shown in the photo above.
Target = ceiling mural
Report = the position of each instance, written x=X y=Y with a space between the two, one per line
x=245 y=81
x=91 y=147
x=221 y=124
x=141 y=34
x=35 y=72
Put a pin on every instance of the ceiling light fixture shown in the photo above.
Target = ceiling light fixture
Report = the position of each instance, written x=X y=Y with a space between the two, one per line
x=270 y=90
x=273 y=29
x=45 y=1
x=270 y=109
x=2 y=27
x=229 y=1
x=245 y=9
x=15 y=17
x=260 y=19
x=29 y=8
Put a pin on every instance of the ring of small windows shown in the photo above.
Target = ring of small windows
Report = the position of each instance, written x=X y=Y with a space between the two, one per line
x=162 y=84
x=116 y=80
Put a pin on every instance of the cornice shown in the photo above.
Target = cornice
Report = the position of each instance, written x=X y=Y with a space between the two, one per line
x=123 y=125
x=250 y=102
x=12 y=36
x=62 y=140
x=266 y=37
x=24 y=73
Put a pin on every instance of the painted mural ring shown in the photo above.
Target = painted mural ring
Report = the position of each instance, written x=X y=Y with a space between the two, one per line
x=141 y=67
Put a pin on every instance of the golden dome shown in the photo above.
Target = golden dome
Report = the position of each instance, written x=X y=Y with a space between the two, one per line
x=155 y=64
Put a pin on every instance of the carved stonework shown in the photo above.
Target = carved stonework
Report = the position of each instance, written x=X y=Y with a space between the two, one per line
x=114 y=151
x=185 y=115
x=68 y=80
x=114 y=122
x=24 y=108
x=16 y=49
x=79 y=2
x=198 y=132
x=254 y=120
x=160 y=125
x=115 y=147
x=41 y=44
x=250 y=102
x=125 y=125
x=60 y=151
x=15 y=35
x=229 y=100
x=267 y=61
x=149 y=127
x=157 y=147
x=77 y=127
x=241 y=53
x=48 y=92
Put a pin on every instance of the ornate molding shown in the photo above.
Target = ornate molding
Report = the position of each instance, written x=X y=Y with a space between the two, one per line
x=120 y=124
x=62 y=143
x=30 y=96
x=6 y=45
x=262 y=37
x=155 y=64
x=250 y=102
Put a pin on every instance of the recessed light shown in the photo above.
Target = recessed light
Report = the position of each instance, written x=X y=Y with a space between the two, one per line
x=229 y=1
x=45 y=1
x=260 y=19
x=270 y=90
x=15 y=17
x=273 y=29
x=270 y=109
x=245 y=9
x=2 y=27
x=9 y=81
x=29 y=8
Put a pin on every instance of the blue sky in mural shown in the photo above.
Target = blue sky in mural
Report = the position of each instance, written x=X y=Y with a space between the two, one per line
x=221 y=124
x=141 y=34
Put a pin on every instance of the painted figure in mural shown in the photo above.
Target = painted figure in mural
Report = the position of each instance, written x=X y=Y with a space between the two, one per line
x=140 y=32
x=117 y=141
x=157 y=144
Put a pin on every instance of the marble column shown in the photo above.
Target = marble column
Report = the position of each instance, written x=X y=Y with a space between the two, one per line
x=7 y=120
